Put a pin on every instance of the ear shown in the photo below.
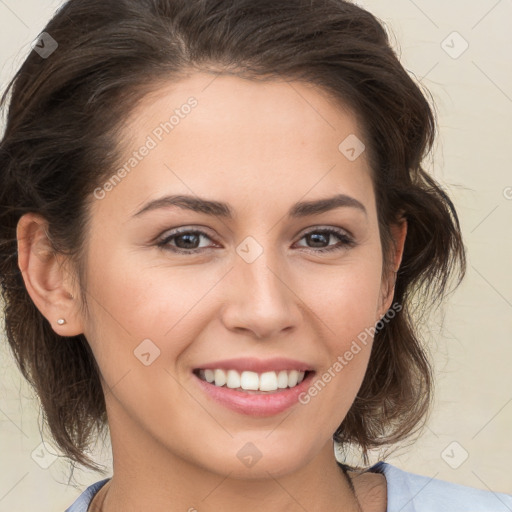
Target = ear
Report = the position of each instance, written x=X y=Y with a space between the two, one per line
x=398 y=233
x=48 y=276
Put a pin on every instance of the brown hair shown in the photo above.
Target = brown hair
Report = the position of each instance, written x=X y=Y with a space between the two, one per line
x=61 y=141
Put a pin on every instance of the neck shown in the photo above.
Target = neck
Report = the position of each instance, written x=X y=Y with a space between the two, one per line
x=322 y=485
x=149 y=476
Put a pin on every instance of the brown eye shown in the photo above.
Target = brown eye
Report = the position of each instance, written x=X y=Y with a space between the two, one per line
x=320 y=237
x=188 y=241
x=185 y=241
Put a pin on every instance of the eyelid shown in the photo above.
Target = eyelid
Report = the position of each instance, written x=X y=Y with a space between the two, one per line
x=193 y=228
x=320 y=227
x=161 y=240
x=206 y=230
x=347 y=240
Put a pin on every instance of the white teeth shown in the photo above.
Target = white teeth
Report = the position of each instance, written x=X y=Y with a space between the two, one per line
x=282 y=379
x=268 y=381
x=252 y=381
x=249 y=380
x=233 y=380
x=292 y=378
x=220 y=377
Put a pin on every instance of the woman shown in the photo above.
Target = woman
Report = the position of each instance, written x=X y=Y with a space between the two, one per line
x=214 y=217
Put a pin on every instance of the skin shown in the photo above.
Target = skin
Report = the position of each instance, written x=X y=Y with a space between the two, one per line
x=260 y=147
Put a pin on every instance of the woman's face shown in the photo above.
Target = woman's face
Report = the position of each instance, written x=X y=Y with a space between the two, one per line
x=254 y=284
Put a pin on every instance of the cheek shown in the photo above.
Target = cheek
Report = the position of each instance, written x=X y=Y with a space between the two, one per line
x=140 y=325
x=139 y=301
x=160 y=309
x=344 y=303
x=130 y=304
x=344 y=298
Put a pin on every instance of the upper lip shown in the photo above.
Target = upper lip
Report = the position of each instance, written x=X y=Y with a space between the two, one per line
x=257 y=365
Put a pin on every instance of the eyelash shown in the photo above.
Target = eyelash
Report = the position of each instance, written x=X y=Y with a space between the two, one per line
x=346 y=240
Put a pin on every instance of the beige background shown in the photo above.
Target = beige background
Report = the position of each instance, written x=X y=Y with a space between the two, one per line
x=471 y=342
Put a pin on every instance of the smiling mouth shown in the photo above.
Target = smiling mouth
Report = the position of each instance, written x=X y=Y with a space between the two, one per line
x=252 y=382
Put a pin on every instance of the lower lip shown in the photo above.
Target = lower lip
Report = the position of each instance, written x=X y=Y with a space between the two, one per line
x=264 y=404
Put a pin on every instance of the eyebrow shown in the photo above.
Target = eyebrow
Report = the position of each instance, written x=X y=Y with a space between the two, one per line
x=219 y=209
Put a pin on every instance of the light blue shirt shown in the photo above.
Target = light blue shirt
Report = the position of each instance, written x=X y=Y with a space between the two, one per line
x=407 y=492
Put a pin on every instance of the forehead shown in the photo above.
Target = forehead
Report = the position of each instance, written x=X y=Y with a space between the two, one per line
x=305 y=110
x=262 y=138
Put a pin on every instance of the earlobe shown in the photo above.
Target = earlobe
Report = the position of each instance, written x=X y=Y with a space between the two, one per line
x=46 y=276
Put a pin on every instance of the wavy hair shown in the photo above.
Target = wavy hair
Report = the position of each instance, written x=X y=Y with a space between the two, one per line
x=63 y=117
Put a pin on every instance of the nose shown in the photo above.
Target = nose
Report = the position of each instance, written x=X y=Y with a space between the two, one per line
x=261 y=299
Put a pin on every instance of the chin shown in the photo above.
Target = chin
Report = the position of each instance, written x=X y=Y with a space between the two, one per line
x=259 y=460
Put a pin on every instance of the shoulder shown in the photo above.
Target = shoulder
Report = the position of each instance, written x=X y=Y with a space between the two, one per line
x=410 y=492
x=82 y=502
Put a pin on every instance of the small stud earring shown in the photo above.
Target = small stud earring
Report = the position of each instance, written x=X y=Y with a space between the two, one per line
x=61 y=321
